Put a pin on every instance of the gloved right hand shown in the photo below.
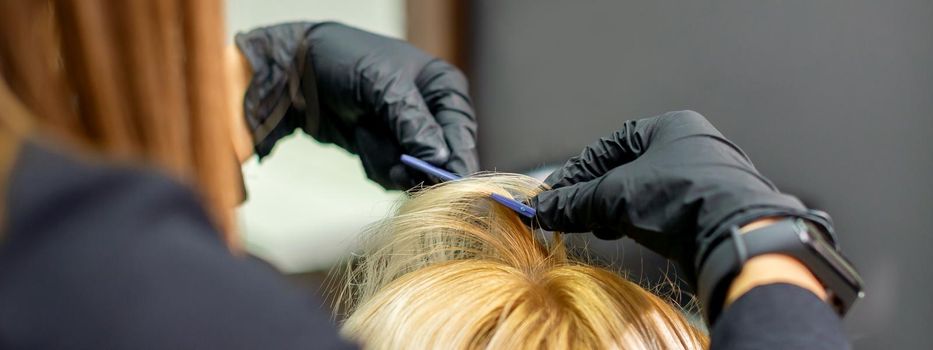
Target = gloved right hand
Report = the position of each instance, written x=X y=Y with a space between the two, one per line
x=672 y=183
x=376 y=97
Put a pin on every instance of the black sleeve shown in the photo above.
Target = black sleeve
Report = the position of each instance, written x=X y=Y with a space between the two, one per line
x=282 y=95
x=94 y=257
x=778 y=316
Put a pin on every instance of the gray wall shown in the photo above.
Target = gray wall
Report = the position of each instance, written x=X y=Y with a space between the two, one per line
x=832 y=99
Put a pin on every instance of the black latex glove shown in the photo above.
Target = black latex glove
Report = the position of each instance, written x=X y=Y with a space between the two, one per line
x=672 y=183
x=374 y=96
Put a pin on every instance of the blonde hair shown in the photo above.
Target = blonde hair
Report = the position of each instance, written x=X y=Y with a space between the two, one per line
x=454 y=270
x=138 y=81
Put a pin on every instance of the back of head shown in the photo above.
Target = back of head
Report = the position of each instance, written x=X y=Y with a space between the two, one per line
x=134 y=81
x=453 y=269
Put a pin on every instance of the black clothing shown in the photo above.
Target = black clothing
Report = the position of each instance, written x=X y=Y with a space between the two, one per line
x=98 y=257
x=779 y=316
x=95 y=256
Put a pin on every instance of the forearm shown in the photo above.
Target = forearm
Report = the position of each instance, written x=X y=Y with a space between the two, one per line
x=776 y=303
x=778 y=316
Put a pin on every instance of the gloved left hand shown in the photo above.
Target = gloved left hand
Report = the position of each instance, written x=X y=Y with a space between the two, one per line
x=672 y=182
x=374 y=96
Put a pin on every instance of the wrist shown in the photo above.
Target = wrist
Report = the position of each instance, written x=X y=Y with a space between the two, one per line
x=770 y=269
x=798 y=250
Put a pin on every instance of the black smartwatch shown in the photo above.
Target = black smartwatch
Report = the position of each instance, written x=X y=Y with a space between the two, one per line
x=810 y=242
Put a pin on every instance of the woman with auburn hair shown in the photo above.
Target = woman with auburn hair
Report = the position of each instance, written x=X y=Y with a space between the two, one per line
x=121 y=123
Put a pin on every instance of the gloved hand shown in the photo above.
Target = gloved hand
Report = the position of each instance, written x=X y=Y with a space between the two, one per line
x=374 y=96
x=672 y=183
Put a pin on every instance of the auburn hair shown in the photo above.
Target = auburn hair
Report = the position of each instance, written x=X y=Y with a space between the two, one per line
x=139 y=81
x=453 y=269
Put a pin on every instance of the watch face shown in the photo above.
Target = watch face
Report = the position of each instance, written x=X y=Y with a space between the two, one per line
x=815 y=239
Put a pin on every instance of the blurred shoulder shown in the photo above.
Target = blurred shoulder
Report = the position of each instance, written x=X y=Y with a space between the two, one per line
x=95 y=255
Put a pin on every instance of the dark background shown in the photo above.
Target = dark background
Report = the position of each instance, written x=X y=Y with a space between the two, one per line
x=832 y=100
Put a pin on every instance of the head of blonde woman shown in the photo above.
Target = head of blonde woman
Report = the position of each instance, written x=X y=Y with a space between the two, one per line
x=452 y=269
